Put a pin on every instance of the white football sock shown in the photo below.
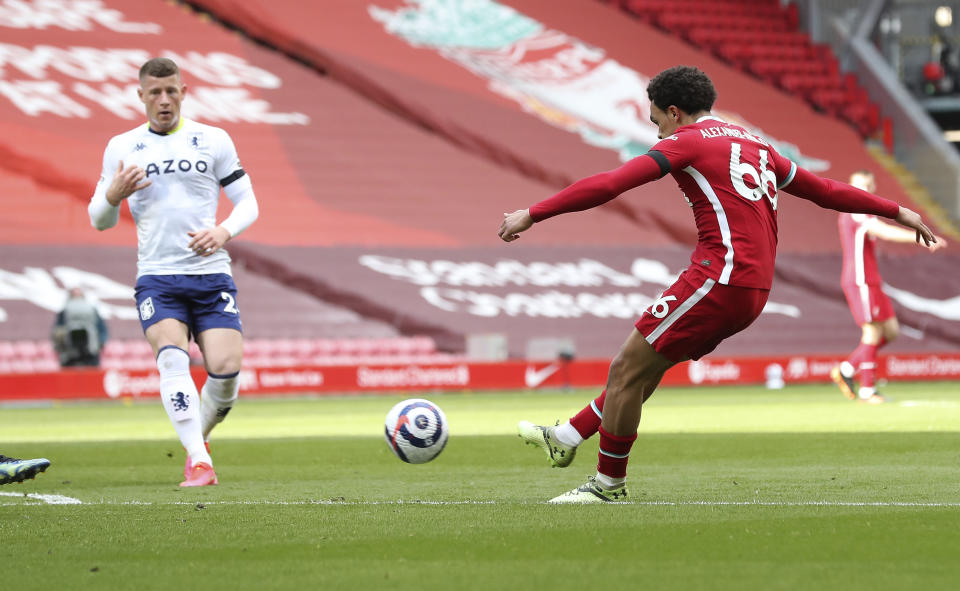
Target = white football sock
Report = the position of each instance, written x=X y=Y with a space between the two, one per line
x=847 y=369
x=567 y=435
x=181 y=401
x=609 y=482
x=217 y=397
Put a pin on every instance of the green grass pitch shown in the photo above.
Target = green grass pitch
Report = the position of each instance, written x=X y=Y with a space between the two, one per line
x=732 y=488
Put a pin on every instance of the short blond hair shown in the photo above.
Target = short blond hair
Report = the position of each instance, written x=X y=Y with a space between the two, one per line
x=864 y=179
x=159 y=67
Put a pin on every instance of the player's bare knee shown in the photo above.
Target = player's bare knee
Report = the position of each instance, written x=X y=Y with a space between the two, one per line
x=891 y=332
x=222 y=364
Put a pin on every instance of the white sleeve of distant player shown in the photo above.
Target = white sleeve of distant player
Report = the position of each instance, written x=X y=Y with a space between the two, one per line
x=245 y=207
x=103 y=215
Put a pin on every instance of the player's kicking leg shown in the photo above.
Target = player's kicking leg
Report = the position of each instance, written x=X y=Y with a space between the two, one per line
x=545 y=438
x=634 y=374
x=17 y=470
x=704 y=313
x=560 y=442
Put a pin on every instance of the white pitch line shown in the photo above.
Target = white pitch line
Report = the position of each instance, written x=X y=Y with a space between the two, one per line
x=48 y=499
x=63 y=500
x=929 y=403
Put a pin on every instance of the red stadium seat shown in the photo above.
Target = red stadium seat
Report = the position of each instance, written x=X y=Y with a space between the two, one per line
x=25 y=349
x=322 y=346
x=760 y=36
x=46 y=365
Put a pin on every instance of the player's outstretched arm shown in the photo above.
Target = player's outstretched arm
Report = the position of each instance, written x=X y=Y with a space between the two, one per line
x=894 y=233
x=839 y=196
x=514 y=223
x=584 y=194
x=912 y=219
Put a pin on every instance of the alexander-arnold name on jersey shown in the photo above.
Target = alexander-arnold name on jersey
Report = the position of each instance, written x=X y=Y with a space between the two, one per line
x=720 y=131
x=172 y=166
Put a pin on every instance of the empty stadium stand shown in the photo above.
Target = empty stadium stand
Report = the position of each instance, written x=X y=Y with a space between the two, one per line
x=761 y=37
x=384 y=158
x=26 y=356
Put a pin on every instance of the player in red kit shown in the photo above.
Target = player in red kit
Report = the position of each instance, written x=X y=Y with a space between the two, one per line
x=731 y=179
x=862 y=286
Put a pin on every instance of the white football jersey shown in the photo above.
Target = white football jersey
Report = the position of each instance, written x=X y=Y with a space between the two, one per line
x=186 y=169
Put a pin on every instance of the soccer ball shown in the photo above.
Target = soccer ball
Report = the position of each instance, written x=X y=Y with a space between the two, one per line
x=416 y=430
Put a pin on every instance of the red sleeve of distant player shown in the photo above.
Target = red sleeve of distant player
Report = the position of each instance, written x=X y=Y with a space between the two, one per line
x=598 y=189
x=831 y=194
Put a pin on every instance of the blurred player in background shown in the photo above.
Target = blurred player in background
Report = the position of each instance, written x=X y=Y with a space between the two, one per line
x=731 y=179
x=863 y=287
x=170 y=171
x=79 y=331
x=17 y=470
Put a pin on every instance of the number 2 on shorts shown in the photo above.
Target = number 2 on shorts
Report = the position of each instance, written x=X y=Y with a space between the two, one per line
x=231 y=306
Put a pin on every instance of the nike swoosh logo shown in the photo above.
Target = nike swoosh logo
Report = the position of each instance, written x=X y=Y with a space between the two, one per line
x=534 y=377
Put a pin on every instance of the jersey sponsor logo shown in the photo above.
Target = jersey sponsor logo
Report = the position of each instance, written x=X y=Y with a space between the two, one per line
x=140 y=146
x=534 y=377
x=174 y=166
x=146 y=309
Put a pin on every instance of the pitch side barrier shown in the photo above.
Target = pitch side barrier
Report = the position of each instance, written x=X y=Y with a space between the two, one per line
x=97 y=384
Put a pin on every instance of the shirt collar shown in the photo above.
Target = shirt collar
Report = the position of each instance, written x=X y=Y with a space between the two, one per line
x=171 y=132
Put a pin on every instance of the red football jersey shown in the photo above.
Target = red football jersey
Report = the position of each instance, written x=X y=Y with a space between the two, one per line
x=859 y=255
x=731 y=179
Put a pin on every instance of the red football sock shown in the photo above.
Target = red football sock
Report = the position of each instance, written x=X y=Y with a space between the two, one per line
x=614 y=454
x=868 y=372
x=868 y=364
x=863 y=353
x=587 y=421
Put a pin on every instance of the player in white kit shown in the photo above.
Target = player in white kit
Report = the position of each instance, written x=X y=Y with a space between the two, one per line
x=170 y=172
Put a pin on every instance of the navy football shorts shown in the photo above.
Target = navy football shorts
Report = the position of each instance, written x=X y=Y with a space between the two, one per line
x=199 y=301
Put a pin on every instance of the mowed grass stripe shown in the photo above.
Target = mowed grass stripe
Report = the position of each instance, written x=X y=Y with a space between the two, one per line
x=31 y=499
x=732 y=489
x=928 y=406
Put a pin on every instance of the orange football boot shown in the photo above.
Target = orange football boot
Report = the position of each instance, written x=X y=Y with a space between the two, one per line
x=201 y=474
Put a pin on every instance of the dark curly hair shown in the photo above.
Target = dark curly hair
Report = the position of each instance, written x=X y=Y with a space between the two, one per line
x=686 y=87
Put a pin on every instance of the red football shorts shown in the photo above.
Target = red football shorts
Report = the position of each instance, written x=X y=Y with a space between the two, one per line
x=868 y=303
x=696 y=313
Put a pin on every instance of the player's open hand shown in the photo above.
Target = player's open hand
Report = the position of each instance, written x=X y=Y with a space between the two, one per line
x=208 y=241
x=911 y=219
x=126 y=181
x=937 y=244
x=514 y=223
